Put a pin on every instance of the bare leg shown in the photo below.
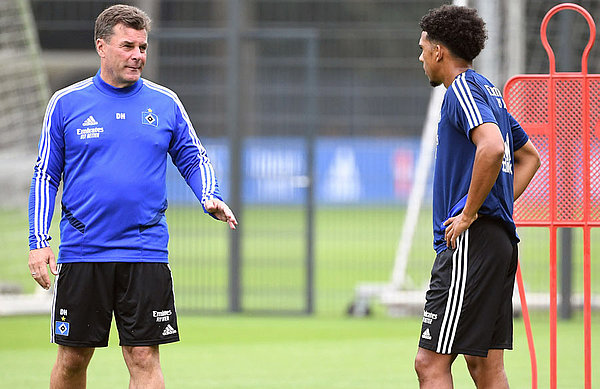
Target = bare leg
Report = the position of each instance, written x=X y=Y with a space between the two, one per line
x=143 y=363
x=488 y=372
x=70 y=368
x=433 y=369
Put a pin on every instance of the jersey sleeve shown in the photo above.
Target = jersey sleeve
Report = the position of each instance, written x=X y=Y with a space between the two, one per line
x=191 y=159
x=470 y=107
x=520 y=137
x=47 y=174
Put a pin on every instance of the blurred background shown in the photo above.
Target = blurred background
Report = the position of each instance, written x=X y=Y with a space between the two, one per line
x=312 y=114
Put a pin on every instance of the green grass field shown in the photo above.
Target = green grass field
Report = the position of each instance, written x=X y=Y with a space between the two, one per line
x=245 y=352
x=324 y=351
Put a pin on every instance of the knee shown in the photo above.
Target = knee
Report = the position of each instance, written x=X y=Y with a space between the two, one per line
x=475 y=366
x=485 y=369
x=72 y=360
x=424 y=366
x=433 y=367
x=420 y=365
x=141 y=357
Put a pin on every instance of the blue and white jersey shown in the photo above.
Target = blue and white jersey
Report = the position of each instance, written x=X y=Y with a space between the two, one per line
x=470 y=101
x=110 y=147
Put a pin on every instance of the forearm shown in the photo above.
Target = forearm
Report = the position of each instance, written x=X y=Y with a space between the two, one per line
x=202 y=190
x=193 y=163
x=486 y=168
x=527 y=162
x=523 y=174
x=42 y=195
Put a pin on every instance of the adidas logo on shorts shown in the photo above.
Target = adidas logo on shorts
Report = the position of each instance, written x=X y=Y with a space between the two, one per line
x=425 y=335
x=169 y=330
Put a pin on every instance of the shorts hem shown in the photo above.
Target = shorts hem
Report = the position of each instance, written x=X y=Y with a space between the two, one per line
x=151 y=342
x=79 y=344
x=475 y=353
x=502 y=347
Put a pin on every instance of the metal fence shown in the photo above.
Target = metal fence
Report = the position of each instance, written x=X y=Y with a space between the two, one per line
x=311 y=112
x=273 y=78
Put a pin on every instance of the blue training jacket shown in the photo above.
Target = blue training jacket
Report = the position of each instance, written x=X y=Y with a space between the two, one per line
x=110 y=145
x=470 y=101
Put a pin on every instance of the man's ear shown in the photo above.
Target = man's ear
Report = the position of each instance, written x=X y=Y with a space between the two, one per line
x=100 y=45
x=439 y=53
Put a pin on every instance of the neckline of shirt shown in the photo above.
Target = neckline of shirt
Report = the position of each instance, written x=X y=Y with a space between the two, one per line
x=110 y=90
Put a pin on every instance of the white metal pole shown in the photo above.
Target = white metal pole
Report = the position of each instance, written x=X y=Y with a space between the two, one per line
x=514 y=38
x=490 y=59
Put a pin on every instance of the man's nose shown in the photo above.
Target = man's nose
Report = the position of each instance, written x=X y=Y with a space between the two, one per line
x=137 y=53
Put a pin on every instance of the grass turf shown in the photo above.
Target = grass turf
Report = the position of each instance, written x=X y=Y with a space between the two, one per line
x=249 y=352
x=351 y=245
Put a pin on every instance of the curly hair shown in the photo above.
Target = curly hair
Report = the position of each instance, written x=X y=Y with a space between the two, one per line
x=460 y=29
x=128 y=15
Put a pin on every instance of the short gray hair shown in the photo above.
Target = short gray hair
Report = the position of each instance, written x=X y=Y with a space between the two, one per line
x=127 y=15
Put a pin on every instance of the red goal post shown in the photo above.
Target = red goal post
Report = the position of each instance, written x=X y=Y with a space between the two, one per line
x=561 y=114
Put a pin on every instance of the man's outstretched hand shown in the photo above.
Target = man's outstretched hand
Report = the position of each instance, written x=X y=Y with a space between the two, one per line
x=221 y=211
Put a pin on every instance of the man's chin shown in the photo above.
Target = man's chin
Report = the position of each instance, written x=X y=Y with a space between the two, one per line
x=132 y=78
x=435 y=83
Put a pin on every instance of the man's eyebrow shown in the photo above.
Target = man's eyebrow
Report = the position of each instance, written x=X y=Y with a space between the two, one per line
x=126 y=42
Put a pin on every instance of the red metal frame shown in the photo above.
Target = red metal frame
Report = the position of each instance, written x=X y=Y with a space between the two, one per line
x=553 y=187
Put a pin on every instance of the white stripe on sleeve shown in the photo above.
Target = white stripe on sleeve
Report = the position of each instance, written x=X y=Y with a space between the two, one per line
x=206 y=170
x=463 y=94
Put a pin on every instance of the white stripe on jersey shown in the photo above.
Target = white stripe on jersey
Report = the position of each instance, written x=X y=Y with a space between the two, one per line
x=42 y=179
x=457 y=93
x=463 y=80
x=465 y=98
x=455 y=295
x=206 y=170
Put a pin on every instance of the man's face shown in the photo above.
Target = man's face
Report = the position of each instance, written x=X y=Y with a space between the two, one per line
x=123 y=55
x=428 y=56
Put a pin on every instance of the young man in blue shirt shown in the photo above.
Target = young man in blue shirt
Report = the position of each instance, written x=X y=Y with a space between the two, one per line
x=108 y=138
x=484 y=161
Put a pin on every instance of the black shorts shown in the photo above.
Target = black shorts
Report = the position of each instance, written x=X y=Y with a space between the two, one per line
x=468 y=308
x=140 y=295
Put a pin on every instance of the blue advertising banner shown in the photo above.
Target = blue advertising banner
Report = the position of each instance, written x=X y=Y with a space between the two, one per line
x=347 y=170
